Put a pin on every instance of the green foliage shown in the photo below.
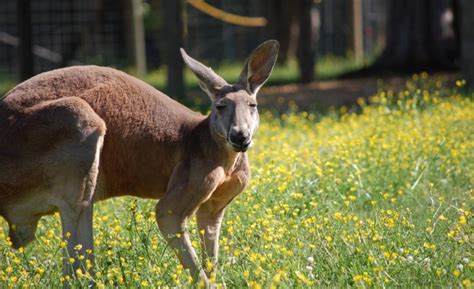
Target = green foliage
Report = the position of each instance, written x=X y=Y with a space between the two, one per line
x=5 y=85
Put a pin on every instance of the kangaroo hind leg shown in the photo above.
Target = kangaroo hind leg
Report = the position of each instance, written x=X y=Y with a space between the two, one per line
x=21 y=233
x=75 y=168
x=77 y=210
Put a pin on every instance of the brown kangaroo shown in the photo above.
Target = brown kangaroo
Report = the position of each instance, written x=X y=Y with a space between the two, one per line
x=73 y=136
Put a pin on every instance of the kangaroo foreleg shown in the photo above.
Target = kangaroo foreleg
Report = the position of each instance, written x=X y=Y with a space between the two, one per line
x=210 y=214
x=209 y=223
x=171 y=217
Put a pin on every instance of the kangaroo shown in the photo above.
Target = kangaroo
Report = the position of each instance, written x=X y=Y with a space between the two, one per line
x=73 y=136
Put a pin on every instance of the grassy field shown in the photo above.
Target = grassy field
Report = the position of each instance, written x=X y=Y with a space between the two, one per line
x=381 y=198
x=327 y=67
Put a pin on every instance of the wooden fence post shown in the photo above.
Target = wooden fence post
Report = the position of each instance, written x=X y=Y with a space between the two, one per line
x=25 y=47
x=138 y=37
x=173 y=31
x=467 y=41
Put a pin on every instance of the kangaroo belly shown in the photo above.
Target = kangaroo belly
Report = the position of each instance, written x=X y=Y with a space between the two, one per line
x=140 y=169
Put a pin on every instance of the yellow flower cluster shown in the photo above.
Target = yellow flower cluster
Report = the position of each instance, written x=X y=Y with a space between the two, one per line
x=377 y=195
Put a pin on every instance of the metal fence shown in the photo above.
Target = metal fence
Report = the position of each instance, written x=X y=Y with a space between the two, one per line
x=65 y=33
x=98 y=31
x=215 y=40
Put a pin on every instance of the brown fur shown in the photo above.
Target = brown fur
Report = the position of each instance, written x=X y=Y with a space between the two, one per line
x=76 y=135
x=144 y=126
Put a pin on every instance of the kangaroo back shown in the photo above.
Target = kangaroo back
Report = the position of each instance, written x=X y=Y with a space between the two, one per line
x=144 y=127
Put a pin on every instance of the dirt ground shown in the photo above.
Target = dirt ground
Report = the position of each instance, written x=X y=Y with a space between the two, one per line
x=322 y=94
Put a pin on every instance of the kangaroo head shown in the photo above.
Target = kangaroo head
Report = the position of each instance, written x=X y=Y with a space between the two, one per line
x=234 y=115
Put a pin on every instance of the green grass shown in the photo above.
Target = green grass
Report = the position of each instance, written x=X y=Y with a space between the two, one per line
x=328 y=67
x=5 y=85
x=382 y=198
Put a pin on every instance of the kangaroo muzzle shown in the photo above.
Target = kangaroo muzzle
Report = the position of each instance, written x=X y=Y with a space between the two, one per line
x=240 y=140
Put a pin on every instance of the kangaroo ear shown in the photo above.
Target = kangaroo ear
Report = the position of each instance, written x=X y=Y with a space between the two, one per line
x=259 y=66
x=209 y=81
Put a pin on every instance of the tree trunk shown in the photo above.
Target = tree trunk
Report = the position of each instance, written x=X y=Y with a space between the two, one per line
x=306 y=44
x=467 y=33
x=280 y=19
x=419 y=36
x=25 y=48
x=138 y=37
x=358 y=30
x=173 y=29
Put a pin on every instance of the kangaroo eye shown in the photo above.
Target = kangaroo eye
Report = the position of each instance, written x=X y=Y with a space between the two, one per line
x=220 y=107
x=252 y=104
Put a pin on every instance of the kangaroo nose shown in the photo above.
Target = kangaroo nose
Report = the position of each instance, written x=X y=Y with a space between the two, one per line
x=239 y=137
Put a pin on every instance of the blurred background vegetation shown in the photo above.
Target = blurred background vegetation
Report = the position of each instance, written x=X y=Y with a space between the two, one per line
x=320 y=40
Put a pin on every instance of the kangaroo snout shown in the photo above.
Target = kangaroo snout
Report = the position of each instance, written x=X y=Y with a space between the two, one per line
x=240 y=139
